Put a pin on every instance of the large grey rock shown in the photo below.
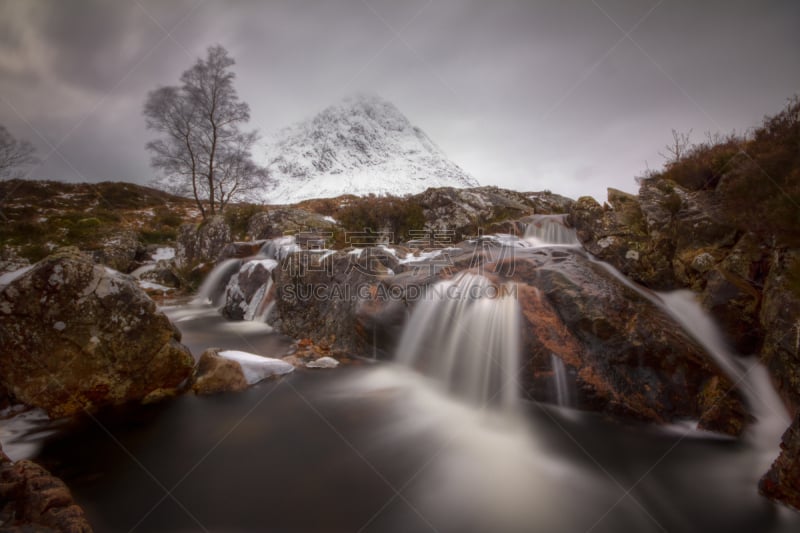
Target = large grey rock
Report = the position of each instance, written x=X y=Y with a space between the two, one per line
x=75 y=335
x=279 y=221
x=203 y=243
x=120 y=251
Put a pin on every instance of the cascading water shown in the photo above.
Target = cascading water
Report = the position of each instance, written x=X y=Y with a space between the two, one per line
x=563 y=390
x=465 y=335
x=747 y=374
x=279 y=248
x=213 y=287
x=550 y=230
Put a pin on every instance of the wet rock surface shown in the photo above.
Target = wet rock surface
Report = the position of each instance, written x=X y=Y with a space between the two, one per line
x=626 y=354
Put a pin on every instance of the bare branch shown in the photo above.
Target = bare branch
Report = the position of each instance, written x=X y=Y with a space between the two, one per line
x=14 y=154
x=201 y=151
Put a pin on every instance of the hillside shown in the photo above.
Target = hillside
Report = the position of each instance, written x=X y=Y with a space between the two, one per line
x=39 y=216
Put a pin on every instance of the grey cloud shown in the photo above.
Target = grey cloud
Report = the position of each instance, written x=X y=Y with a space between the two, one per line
x=528 y=95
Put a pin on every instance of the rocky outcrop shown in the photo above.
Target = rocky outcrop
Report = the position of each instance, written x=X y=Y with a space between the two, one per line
x=780 y=317
x=782 y=482
x=618 y=234
x=203 y=243
x=669 y=237
x=31 y=499
x=626 y=354
x=215 y=374
x=749 y=283
x=465 y=212
x=279 y=221
x=163 y=273
x=75 y=335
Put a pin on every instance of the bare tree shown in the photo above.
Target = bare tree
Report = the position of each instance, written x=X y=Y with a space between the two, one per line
x=201 y=151
x=678 y=147
x=14 y=154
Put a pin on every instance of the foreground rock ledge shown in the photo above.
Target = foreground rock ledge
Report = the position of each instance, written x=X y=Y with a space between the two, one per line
x=75 y=336
x=782 y=482
x=31 y=499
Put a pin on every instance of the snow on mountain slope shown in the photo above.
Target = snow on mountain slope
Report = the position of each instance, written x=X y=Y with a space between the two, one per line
x=362 y=145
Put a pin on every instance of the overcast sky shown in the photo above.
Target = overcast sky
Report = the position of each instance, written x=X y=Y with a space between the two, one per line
x=571 y=96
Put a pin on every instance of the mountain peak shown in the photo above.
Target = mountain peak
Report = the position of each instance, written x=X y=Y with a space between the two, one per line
x=360 y=145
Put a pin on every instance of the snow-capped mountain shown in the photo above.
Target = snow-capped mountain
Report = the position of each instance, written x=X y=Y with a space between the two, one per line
x=362 y=145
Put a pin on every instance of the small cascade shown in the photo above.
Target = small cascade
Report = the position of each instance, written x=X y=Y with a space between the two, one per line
x=550 y=230
x=257 y=304
x=465 y=335
x=265 y=314
x=213 y=288
x=563 y=390
x=747 y=374
x=279 y=248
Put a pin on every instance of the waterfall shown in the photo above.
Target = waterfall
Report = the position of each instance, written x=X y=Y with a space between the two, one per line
x=564 y=396
x=255 y=308
x=213 y=287
x=279 y=248
x=747 y=374
x=465 y=335
x=549 y=230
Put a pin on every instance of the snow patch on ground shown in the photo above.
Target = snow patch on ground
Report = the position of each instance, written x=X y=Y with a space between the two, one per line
x=164 y=254
x=255 y=367
x=8 y=277
x=323 y=362
x=149 y=285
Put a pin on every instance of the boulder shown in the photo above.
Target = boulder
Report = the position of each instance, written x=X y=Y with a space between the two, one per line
x=240 y=250
x=75 y=335
x=163 y=273
x=232 y=371
x=318 y=299
x=216 y=374
x=279 y=221
x=782 y=482
x=203 y=243
x=31 y=499
x=120 y=251
x=247 y=291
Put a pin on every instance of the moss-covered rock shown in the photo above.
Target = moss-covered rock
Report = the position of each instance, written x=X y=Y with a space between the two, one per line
x=75 y=335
